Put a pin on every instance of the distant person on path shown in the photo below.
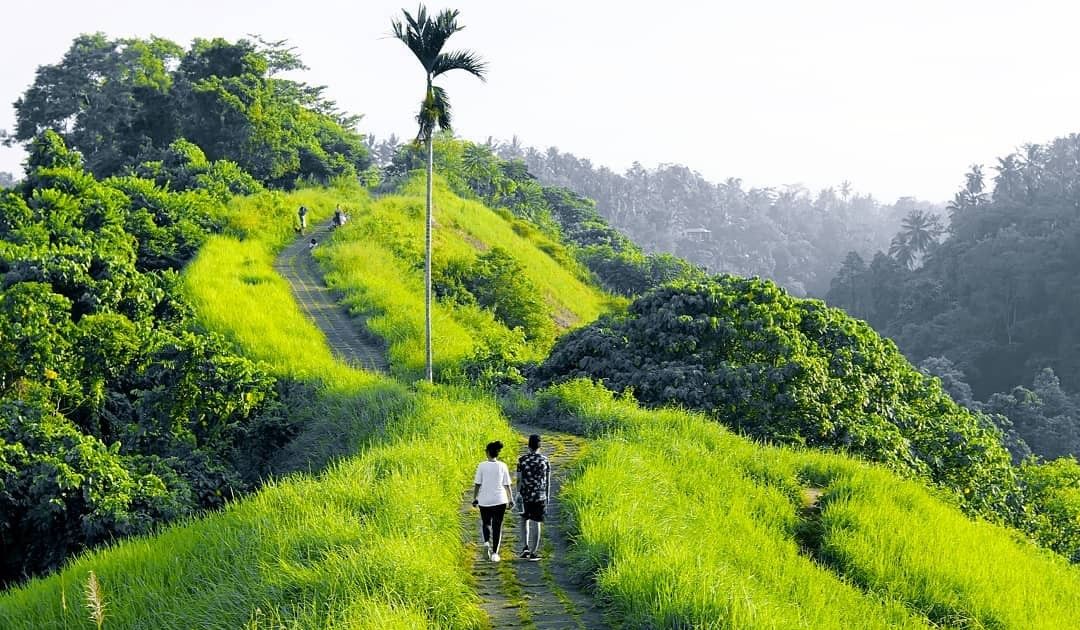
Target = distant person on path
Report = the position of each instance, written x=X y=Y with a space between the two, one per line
x=339 y=217
x=312 y=244
x=302 y=213
x=534 y=480
x=491 y=493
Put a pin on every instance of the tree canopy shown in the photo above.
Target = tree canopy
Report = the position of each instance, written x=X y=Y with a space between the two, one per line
x=122 y=102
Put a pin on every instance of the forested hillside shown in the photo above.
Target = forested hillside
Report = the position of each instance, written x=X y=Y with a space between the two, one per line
x=117 y=411
x=789 y=234
x=991 y=308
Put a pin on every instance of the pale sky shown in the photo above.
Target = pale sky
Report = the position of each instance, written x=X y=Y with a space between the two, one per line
x=898 y=97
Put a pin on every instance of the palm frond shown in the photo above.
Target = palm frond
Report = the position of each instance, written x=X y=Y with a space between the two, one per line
x=434 y=112
x=424 y=36
x=465 y=60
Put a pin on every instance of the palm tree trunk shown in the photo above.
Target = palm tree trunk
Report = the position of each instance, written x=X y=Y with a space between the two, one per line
x=427 y=261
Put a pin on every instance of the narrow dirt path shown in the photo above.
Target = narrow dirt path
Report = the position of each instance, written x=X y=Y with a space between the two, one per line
x=347 y=336
x=518 y=593
x=515 y=592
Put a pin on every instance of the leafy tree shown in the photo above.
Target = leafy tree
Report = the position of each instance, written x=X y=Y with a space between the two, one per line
x=499 y=283
x=426 y=37
x=921 y=230
x=124 y=102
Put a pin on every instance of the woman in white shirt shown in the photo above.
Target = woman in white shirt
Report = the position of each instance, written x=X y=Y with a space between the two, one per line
x=491 y=493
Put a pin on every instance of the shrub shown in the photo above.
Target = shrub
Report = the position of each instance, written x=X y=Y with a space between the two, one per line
x=793 y=371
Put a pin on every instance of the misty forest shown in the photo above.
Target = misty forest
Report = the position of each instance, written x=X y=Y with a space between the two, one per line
x=251 y=353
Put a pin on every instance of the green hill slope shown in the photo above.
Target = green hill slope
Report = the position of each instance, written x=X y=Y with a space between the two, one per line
x=372 y=542
x=679 y=522
x=686 y=525
x=376 y=259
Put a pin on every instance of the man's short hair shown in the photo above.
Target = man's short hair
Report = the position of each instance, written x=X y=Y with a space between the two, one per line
x=534 y=441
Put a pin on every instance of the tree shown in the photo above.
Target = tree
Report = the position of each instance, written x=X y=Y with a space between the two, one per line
x=921 y=229
x=902 y=250
x=426 y=37
x=123 y=102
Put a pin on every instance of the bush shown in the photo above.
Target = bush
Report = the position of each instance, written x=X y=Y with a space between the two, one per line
x=1053 y=494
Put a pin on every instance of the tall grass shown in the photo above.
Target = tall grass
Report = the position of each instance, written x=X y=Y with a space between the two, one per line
x=376 y=260
x=379 y=532
x=686 y=525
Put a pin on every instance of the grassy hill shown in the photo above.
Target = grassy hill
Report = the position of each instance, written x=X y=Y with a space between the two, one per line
x=684 y=524
x=679 y=522
x=374 y=261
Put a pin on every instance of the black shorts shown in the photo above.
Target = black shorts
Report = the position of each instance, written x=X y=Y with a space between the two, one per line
x=533 y=510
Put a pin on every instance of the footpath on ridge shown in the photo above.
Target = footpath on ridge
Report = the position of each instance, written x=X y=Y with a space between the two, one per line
x=519 y=593
x=347 y=336
x=516 y=593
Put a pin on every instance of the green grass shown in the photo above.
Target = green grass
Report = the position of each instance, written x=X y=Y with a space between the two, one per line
x=687 y=525
x=377 y=261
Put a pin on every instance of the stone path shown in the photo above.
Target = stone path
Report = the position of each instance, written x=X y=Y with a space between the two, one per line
x=347 y=336
x=517 y=593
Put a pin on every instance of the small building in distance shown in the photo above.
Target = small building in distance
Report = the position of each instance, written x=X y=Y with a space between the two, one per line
x=697 y=234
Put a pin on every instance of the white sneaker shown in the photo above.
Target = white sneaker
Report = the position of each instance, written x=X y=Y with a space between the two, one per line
x=487 y=549
x=494 y=557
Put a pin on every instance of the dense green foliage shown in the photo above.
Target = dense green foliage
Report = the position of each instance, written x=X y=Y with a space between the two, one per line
x=122 y=102
x=496 y=281
x=115 y=412
x=685 y=525
x=788 y=235
x=793 y=371
x=1053 y=493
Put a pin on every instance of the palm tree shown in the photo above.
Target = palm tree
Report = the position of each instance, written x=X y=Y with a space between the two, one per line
x=921 y=230
x=901 y=250
x=426 y=37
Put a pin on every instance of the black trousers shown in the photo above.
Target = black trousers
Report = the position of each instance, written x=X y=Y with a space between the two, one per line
x=491 y=522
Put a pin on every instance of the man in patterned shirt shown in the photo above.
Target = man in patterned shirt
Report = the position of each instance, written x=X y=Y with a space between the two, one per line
x=534 y=480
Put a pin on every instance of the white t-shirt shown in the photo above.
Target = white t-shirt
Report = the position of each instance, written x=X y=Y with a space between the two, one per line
x=492 y=476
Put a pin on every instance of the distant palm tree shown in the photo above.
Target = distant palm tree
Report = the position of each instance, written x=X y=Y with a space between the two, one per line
x=426 y=37
x=845 y=190
x=901 y=250
x=921 y=230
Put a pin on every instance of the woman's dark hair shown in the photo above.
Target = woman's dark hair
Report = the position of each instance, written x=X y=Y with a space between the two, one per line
x=493 y=448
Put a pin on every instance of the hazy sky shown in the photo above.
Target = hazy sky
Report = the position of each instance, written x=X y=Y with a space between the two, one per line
x=898 y=97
